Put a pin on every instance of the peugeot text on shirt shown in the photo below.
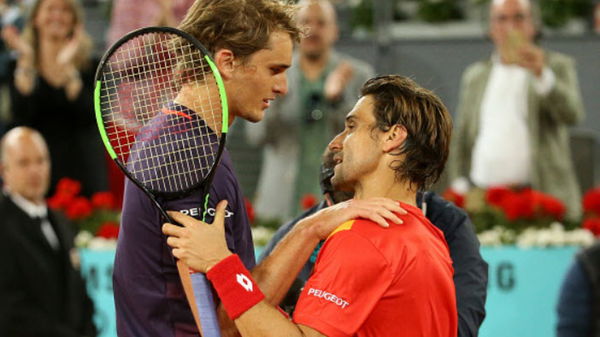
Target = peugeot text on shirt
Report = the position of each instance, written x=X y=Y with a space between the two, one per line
x=328 y=297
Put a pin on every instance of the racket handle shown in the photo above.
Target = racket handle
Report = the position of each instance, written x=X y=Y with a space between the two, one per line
x=206 y=305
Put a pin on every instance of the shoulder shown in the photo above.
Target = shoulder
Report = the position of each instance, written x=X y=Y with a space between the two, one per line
x=475 y=70
x=556 y=59
x=359 y=66
x=444 y=214
x=353 y=243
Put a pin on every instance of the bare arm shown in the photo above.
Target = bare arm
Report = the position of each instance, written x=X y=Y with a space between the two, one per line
x=275 y=274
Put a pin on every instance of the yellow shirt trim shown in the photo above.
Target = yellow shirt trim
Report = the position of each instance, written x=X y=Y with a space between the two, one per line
x=343 y=227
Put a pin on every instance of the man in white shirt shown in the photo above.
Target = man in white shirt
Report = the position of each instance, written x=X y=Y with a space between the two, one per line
x=514 y=112
x=42 y=291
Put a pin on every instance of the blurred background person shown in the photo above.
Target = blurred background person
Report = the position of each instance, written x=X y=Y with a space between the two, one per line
x=580 y=296
x=52 y=90
x=128 y=15
x=515 y=110
x=41 y=289
x=323 y=87
x=10 y=15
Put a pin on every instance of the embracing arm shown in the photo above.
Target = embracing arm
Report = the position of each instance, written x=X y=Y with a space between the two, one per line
x=276 y=272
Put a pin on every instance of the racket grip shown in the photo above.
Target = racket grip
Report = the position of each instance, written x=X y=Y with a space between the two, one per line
x=206 y=305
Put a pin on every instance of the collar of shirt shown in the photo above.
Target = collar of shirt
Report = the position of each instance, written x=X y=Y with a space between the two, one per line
x=32 y=209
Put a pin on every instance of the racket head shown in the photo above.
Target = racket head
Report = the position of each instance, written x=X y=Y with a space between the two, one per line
x=161 y=109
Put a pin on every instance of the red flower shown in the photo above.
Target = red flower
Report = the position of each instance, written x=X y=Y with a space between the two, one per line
x=553 y=207
x=592 y=225
x=308 y=201
x=591 y=201
x=80 y=208
x=108 y=230
x=104 y=200
x=68 y=186
x=496 y=195
x=455 y=197
x=60 y=200
x=249 y=210
x=519 y=205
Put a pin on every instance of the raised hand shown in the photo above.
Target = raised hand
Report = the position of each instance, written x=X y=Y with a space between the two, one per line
x=337 y=81
x=379 y=210
x=532 y=58
x=10 y=35
x=67 y=54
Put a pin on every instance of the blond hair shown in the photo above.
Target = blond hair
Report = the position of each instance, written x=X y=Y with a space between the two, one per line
x=31 y=36
x=242 y=26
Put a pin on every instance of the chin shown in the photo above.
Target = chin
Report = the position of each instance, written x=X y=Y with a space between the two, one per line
x=254 y=116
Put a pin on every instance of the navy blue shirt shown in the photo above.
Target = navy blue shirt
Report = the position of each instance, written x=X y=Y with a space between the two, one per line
x=149 y=297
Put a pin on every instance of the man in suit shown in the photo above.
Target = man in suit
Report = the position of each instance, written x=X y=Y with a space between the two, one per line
x=515 y=110
x=41 y=289
x=324 y=85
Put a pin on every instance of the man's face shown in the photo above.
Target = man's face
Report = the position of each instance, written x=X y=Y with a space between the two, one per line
x=261 y=78
x=357 y=151
x=319 y=19
x=26 y=167
x=509 y=18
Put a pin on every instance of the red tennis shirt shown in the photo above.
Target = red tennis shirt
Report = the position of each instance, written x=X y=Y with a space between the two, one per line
x=374 y=281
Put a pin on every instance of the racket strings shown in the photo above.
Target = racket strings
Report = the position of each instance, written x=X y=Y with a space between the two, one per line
x=166 y=146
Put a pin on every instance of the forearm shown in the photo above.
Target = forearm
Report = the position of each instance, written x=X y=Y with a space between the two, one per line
x=73 y=84
x=24 y=76
x=563 y=102
x=277 y=272
x=265 y=321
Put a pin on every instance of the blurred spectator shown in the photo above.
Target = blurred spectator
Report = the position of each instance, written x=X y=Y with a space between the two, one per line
x=10 y=15
x=323 y=87
x=515 y=110
x=42 y=292
x=580 y=296
x=52 y=90
x=128 y=15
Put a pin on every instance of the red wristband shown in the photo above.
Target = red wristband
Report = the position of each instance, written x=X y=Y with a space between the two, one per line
x=234 y=284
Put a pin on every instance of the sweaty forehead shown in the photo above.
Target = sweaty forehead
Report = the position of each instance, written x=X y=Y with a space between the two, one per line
x=363 y=110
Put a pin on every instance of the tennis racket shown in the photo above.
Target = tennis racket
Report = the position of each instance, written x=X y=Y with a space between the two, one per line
x=161 y=109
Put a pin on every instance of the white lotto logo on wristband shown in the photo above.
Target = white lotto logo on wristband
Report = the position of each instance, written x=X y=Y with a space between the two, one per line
x=328 y=297
x=245 y=282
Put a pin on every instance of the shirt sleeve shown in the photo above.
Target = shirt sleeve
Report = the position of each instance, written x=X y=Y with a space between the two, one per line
x=349 y=279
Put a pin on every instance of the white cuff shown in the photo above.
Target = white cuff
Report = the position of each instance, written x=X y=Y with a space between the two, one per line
x=544 y=84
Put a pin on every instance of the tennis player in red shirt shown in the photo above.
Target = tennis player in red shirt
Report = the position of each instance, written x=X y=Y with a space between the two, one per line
x=370 y=278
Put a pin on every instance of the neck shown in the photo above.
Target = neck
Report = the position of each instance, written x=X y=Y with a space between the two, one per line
x=312 y=65
x=39 y=201
x=371 y=187
x=49 y=48
x=201 y=104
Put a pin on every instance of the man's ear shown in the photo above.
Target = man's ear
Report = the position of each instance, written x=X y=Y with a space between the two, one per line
x=394 y=138
x=225 y=62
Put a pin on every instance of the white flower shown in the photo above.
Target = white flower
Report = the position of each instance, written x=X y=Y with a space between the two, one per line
x=82 y=239
x=262 y=235
x=98 y=243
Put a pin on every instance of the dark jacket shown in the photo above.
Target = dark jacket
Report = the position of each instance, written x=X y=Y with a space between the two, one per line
x=41 y=292
x=579 y=301
x=470 y=270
